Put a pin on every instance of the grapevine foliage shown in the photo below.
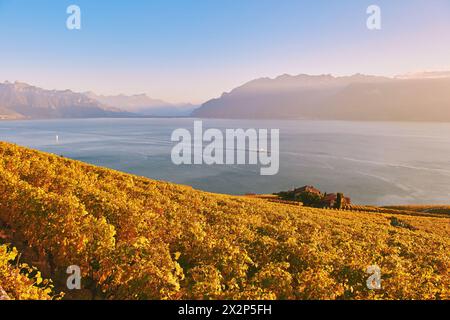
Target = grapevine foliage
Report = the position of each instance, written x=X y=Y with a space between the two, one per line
x=136 y=238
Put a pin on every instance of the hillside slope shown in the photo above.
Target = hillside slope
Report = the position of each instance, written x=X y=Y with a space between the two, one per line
x=136 y=238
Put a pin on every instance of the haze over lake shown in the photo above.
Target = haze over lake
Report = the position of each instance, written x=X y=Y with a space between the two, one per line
x=378 y=163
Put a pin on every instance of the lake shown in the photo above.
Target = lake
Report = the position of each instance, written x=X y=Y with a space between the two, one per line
x=372 y=162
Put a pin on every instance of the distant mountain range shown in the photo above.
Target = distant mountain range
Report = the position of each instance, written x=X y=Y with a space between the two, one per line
x=413 y=97
x=23 y=101
x=143 y=105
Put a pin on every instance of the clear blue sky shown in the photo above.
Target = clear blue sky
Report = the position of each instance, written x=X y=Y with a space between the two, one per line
x=193 y=50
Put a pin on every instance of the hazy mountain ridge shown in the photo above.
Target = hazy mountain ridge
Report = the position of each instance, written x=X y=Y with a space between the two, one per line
x=357 y=97
x=127 y=102
x=143 y=105
x=421 y=96
x=425 y=75
x=22 y=101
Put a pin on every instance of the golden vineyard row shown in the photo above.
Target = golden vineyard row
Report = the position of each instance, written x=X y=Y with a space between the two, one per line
x=136 y=238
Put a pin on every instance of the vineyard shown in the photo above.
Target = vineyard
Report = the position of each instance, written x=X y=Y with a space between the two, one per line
x=21 y=282
x=436 y=209
x=135 y=238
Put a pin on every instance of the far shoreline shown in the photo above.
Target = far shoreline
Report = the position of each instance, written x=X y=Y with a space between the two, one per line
x=232 y=119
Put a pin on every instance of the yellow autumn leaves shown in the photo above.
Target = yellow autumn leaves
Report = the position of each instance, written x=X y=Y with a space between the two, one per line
x=135 y=238
x=20 y=281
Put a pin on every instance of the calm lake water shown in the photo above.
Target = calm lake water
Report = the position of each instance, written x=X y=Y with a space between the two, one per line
x=372 y=162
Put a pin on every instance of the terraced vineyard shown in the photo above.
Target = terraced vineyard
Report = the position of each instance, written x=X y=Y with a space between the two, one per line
x=136 y=238
x=430 y=209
